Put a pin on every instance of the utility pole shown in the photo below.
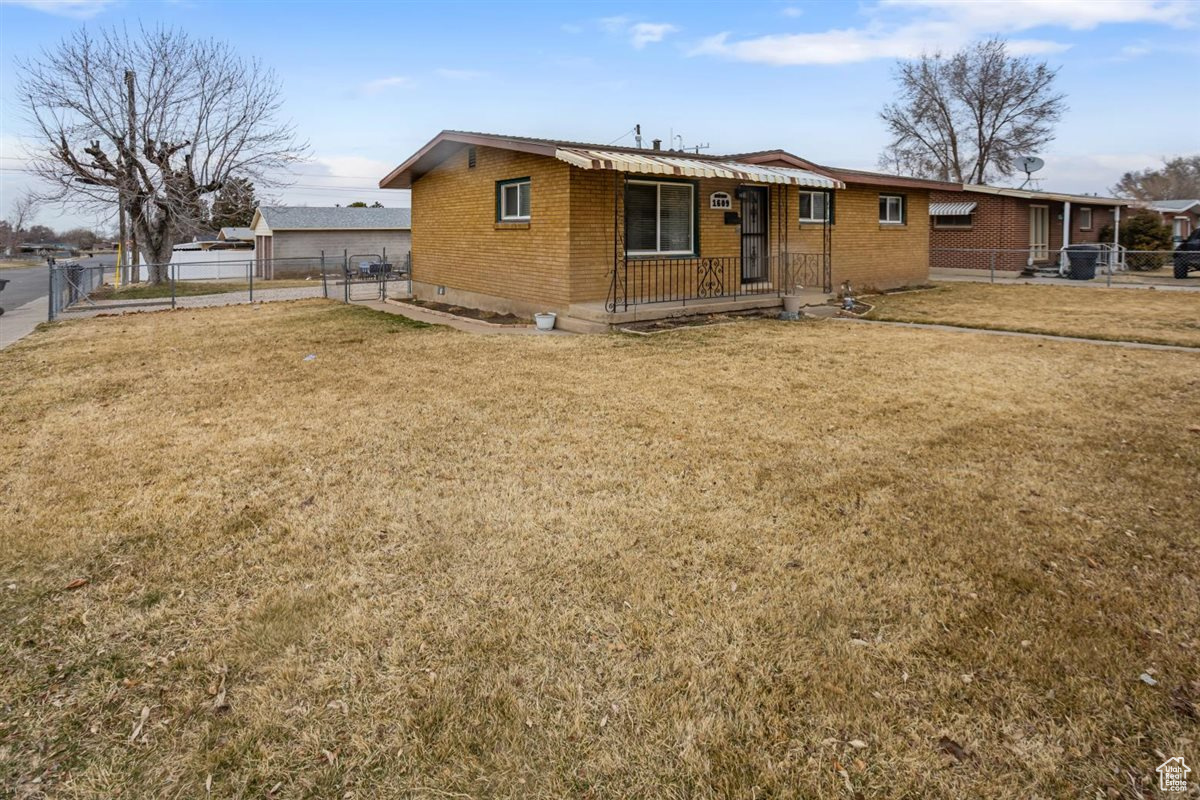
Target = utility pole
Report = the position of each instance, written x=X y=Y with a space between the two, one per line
x=122 y=270
x=131 y=145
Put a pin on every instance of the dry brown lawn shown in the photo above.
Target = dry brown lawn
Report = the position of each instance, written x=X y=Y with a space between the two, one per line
x=759 y=560
x=1158 y=317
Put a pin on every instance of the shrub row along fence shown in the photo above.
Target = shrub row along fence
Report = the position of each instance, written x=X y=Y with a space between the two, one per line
x=344 y=276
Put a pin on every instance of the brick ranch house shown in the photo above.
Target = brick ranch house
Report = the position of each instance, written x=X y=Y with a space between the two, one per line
x=1021 y=230
x=289 y=240
x=1182 y=215
x=602 y=234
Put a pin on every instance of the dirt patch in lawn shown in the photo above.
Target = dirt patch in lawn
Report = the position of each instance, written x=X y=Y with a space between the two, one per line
x=471 y=313
x=763 y=559
x=1158 y=317
x=697 y=321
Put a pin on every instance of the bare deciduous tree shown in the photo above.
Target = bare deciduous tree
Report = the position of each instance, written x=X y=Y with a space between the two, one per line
x=157 y=119
x=968 y=117
x=24 y=207
x=1177 y=179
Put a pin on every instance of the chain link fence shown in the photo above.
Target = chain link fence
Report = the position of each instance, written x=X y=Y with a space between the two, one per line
x=1075 y=262
x=345 y=277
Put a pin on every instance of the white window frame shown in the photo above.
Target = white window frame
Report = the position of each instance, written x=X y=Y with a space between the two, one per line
x=1087 y=227
x=825 y=198
x=658 y=219
x=503 y=188
x=899 y=198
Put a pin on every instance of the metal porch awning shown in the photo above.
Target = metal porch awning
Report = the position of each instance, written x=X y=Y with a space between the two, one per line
x=682 y=166
x=950 y=209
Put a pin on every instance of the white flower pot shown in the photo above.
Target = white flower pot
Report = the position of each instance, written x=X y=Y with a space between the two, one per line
x=792 y=303
x=545 y=322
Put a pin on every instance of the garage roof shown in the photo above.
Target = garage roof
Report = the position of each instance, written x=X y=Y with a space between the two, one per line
x=314 y=218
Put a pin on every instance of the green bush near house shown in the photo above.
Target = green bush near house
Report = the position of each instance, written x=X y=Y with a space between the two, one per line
x=1143 y=232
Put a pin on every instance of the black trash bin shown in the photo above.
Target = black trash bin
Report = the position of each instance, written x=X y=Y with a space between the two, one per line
x=1081 y=261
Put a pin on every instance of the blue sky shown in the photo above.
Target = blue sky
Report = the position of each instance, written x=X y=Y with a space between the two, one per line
x=368 y=83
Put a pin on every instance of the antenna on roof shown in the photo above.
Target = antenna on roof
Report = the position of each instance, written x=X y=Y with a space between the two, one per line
x=637 y=135
x=1029 y=165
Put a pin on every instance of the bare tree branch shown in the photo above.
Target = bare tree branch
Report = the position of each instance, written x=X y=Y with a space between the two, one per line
x=155 y=118
x=1177 y=179
x=968 y=117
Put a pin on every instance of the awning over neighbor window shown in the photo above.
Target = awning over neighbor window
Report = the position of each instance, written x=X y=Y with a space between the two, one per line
x=682 y=166
x=950 y=209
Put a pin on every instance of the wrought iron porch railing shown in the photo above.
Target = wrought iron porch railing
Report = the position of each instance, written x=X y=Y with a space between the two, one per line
x=637 y=281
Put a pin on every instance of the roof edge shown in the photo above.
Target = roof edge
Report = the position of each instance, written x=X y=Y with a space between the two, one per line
x=1004 y=191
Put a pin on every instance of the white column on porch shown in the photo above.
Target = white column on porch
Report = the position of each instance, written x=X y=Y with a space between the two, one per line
x=1066 y=237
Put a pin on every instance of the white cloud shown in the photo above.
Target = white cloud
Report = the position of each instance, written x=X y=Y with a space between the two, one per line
x=792 y=11
x=1019 y=15
x=382 y=84
x=613 y=24
x=644 y=33
x=75 y=9
x=640 y=33
x=851 y=45
x=907 y=28
x=460 y=74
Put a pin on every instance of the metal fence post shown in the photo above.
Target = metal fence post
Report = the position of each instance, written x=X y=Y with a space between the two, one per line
x=252 y=283
x=173 y=270
x=992 y=266
x=50 y=298
x=346 y=276
x=383 y=276
x=324 y=279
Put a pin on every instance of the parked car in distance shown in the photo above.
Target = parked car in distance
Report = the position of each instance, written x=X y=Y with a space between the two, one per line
x=1187 y=255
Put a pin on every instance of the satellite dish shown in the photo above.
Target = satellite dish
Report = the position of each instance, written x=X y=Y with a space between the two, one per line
x=1029 y=165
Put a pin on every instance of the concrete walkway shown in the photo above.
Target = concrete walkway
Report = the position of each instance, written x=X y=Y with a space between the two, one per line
x=458 y=323
x=1022 y=334
x=19 y=322
x=1189 y=285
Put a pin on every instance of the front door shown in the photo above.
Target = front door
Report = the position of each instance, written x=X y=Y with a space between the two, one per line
x=1039 y=233
x=1183 y=229
x=755 y=267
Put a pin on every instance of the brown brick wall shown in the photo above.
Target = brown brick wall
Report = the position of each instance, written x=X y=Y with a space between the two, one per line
x=1002 y=223
x=458 y=243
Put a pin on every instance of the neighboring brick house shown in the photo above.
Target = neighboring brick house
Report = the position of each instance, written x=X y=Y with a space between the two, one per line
x=975 y=227
x=290 y=239
x=604 y=234
x=1183 y=216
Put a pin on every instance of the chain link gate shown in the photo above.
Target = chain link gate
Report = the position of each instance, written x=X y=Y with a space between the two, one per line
x=370 y=277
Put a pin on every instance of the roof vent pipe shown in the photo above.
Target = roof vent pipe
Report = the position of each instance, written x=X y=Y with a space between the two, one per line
x=657 y=144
